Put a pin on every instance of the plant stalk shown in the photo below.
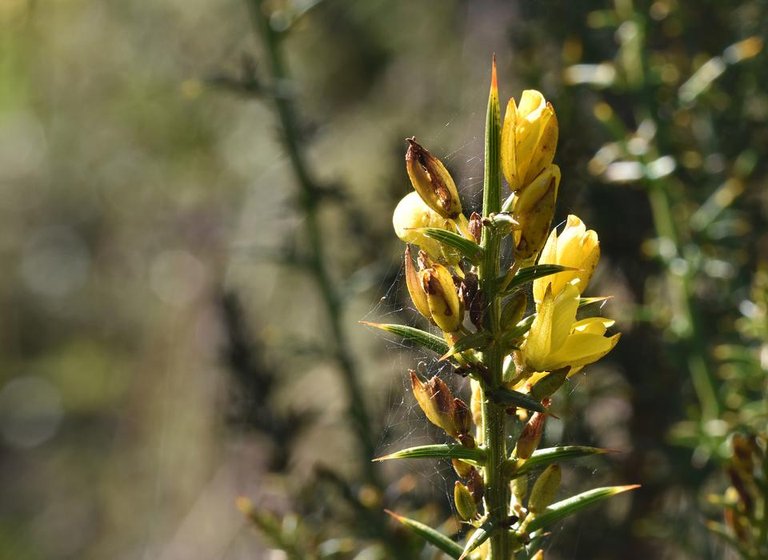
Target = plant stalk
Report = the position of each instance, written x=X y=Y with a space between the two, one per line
x=309 y=198
x=497 y=492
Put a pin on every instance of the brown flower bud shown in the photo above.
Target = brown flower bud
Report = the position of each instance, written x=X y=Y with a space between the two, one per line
x=415 y=289
x=530 y=436
x=463 y=422
x=476 y=486
x=476 y=226
x=435 y=399
x=472 y=298
x=432 y=181
x=442 y=409
x=443 y=301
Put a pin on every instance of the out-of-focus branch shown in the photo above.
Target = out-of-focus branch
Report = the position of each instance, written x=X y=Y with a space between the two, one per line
x=318 y=266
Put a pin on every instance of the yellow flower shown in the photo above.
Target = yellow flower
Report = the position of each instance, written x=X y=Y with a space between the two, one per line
x=557 y=340
x=412 y=214
x=528 y=139
x=577 y=248
x=533 y=209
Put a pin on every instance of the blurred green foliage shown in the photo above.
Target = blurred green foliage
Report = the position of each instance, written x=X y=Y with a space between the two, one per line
x=141 y=181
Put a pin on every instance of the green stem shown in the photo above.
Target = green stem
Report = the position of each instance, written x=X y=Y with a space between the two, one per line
x=309 y=201
x=497 y=492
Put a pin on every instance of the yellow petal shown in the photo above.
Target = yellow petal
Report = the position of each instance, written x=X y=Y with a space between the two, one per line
x=593 y=325
x=548 y=256
x=539 y=339
x=566 y=305
x=582 y=349
x=508 y=153
x=412 y=214
x=577 y=248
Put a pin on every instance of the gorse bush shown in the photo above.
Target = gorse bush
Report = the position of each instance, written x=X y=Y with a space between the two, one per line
x=473 y=280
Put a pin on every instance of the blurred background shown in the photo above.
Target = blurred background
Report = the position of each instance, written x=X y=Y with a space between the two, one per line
x=181 y=307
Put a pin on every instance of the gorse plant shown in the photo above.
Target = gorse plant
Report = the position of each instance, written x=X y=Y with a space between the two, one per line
x=473 y=279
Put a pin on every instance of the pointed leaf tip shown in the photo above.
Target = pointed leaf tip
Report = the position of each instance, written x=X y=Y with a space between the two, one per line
x=415 y=336
x=244 y=505
x=432 y=536
x=438 y=451
x=564 y=508
x=393 y=514
x=494 y=81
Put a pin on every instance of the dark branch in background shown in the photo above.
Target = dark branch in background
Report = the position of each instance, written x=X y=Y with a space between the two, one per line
x=315 y=261
x=308 y=202
x=253 y=395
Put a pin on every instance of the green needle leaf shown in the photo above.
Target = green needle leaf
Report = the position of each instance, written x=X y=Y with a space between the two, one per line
x=530 y=273
x=574 y=504
x=509 y=397
x=516 y=332
x=430 y=535
x=416 y=336
x=439 y=451
x=466 y=247
x=480 y=535
x=492 y=174
x=271 y=527
x=544 y=457
x=477 y=340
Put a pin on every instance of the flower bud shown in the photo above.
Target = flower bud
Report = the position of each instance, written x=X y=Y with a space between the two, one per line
x=476 y=486
x=528 y=139
x=465 y=503
x=547 y=385
x=462 y=468
x=415 y=289
x=443 y=301
x=432 y=181
x=439 y=406
x=539 y=555
x=533 y=210
x=519 y=490
x=576 y=247
x=530 y=436
x=545 y=489
x=411 y=215
x=472 y=298
x=463 y=421
x=476 y=407
x=476 y=226
x=512 y=310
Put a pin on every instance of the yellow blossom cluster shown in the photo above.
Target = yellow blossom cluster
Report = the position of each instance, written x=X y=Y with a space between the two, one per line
x=505 y=290
x=556 y=338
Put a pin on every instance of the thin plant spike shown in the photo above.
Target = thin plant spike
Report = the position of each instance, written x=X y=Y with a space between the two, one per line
x=432 y=536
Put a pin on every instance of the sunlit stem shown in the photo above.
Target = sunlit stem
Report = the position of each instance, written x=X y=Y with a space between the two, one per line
x=497 y=493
